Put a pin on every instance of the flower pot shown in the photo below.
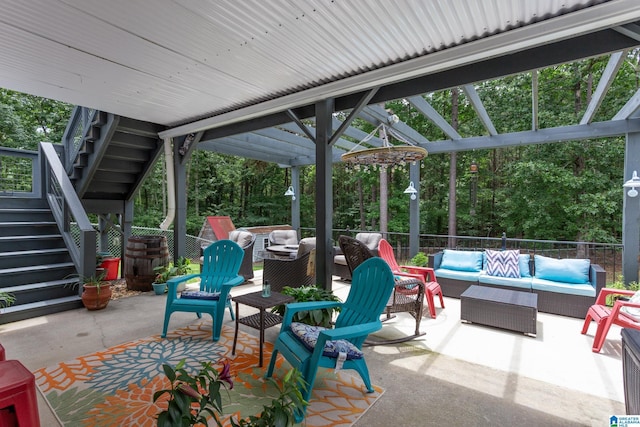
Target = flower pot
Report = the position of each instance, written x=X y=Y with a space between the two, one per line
x=159 y=288
x=96 y=297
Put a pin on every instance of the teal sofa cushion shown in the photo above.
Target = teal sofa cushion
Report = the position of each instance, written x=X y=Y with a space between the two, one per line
x=581 y=289
x=462 y=260
x=569 y=270
x=523 y=262
x=523 y=283
x=466 y=276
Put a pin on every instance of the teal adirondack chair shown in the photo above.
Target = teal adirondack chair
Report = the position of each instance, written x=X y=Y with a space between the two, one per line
x=220 y=267
x=307 y=348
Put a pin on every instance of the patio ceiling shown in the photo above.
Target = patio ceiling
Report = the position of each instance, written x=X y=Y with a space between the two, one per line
x=246 y=73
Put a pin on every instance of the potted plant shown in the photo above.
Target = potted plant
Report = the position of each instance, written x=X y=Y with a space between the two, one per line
x=321 y=317
x=6 y=299
x=96 y=292
x=194 y=397
x=163 y=274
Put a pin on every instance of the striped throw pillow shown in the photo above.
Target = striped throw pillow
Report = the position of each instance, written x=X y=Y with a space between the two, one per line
x=503 y=263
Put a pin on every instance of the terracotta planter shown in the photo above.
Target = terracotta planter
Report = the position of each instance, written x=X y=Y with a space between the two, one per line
x=96 y=298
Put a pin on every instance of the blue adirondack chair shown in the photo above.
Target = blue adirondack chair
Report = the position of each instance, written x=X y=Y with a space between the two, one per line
x=220 y=267
x=307 y=348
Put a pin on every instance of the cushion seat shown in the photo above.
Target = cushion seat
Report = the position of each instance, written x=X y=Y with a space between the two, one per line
x=308 y=335
x=580 y=289
x=523 y=283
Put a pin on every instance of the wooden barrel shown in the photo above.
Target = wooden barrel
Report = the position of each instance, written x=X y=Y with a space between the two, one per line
x=143 y=254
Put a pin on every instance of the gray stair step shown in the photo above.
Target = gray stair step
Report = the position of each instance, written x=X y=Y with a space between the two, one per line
x=52 y=289
x=31 y=242
x=40 y=308
x=31 y=257
x=30 y=269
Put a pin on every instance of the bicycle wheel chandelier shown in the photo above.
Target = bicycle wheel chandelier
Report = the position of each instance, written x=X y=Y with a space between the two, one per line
x=388 y=155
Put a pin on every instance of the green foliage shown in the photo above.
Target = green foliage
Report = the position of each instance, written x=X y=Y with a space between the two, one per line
x=182 y=266
x=321 y=317
x=420 y=260
x=192 y=398
x=164 y=273
x=619 y=284
x=281 y=412
x=6 y=299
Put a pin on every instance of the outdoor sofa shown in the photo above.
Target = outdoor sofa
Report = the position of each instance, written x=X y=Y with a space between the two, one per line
x=564 y=286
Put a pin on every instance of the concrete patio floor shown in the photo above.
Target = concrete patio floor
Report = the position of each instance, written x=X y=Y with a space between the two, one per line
x=457 y=374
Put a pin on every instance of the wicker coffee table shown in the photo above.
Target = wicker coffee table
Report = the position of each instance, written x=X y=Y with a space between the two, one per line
x=500 y=308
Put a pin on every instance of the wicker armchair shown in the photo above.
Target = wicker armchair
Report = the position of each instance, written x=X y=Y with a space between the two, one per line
x=407 y=296
x=340 y=266
x=293 y=272
x=246 y=240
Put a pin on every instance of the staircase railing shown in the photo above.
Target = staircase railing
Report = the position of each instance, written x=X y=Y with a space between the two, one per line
x=67 y=209
x=79 y=122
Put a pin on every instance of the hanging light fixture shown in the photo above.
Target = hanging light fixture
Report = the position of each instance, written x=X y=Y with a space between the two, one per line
x=290 y=192
x=388 y=154
x=633 y=183
x=412 y=191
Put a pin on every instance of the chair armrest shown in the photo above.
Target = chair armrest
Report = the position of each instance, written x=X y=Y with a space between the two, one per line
x=435 y=260
x=172 y=284
x=353 y=331
x=604 y=292
x=410 y=275
x=295 y=307
x=428 y=273
x=619 y=304
x=597 y=277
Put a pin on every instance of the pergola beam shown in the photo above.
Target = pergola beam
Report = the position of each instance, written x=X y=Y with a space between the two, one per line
x=608 y=75
x=421 y=104
x=542 y=136
x=477 y=104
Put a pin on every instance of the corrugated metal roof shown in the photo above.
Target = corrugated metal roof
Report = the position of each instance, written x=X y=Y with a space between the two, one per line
x=171 y=62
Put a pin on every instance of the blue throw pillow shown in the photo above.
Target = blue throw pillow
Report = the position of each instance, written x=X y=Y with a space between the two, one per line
x=523 y=260
x=569 y=270
x=503 y=263
x=308 y=335
x=461 y=260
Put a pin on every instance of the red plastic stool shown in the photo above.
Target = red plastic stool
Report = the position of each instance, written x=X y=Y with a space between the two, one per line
x=431 y=289
x=3 y=356
x=18 y=390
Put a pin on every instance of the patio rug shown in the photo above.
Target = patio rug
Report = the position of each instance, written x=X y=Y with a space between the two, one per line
x=115 y=387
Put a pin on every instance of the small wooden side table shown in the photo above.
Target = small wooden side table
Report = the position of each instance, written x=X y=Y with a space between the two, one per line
x=261 y=320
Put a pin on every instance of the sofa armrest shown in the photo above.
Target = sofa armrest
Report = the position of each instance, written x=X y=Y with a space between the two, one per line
x=597 y=277
x=435 y=260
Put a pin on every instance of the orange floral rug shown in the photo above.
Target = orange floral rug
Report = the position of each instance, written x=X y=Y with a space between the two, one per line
x=115 y=387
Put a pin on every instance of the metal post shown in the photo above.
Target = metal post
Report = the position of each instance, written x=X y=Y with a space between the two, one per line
x=631 y=212
x=414 y=211
x=295 y=204
x=324 y=194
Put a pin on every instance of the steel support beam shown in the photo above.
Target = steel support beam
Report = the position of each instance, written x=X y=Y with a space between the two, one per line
x=631 y=212
x=324 y=193
x=295 y=204
x=414 y=211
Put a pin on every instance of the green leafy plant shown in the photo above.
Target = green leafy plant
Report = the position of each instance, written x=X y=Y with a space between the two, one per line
x=182 y=266
x=420 y=260
x=164 y=273
x=619 y=284
x=321 y=317
x=192 y=398
x=6 y=299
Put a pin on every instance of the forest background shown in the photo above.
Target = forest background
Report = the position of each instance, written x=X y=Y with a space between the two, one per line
x=555 y=191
